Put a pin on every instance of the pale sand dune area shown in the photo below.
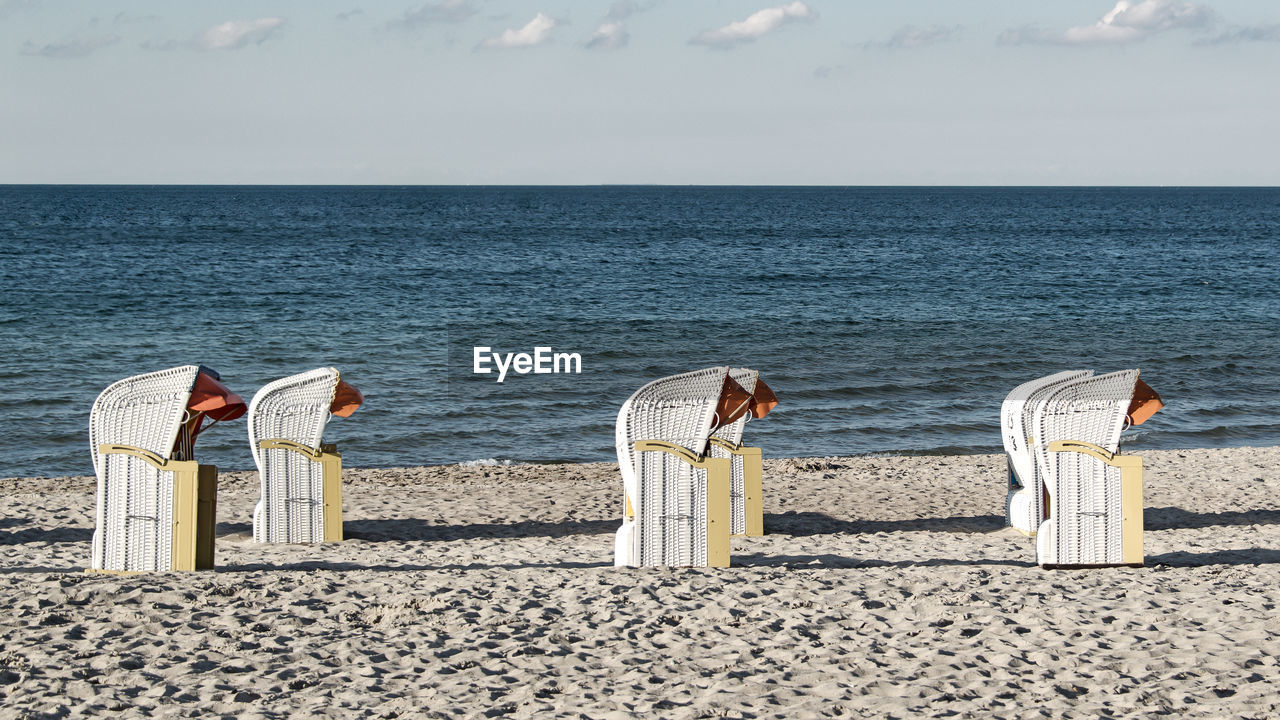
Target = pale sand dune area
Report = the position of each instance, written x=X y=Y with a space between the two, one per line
x=885 y=587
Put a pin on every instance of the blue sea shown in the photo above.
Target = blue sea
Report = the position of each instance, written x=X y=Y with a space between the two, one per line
x=888 y=320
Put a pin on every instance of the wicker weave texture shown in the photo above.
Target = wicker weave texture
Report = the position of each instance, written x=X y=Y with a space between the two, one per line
x=134 y=511
x=1024 y=503
x=295 y=408
x=667 y=494
x=737 y=477
x=1085 y=521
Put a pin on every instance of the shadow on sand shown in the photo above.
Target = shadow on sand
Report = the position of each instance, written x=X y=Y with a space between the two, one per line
x=402 y=529
x=43 y=535
x=350 y=566
x=800 y=524
x=828 y=561
x=803 y=524
x=1247 y=556
x=1173 y=518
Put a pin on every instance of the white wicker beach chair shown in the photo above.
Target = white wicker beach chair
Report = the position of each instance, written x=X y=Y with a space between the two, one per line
x=676 y=501
x=1095 y=495
x=156 y=505
x=1024 y=503
x=301 y=477
x=746 y=512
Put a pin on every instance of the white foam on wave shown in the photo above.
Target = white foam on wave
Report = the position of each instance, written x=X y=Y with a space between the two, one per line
x=485 y=462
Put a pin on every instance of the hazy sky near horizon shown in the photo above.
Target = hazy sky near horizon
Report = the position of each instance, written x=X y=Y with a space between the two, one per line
x=917 y=92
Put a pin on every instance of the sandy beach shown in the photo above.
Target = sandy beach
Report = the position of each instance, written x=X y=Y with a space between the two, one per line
x=886 y=587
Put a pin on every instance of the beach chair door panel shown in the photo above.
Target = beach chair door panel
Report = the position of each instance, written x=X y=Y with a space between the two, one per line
x=1088 y=511
x=294 y=505
x=737 y=496
x=673 y=498
x=136 y=516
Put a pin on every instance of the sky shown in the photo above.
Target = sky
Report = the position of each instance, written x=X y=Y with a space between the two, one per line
x=717 y=92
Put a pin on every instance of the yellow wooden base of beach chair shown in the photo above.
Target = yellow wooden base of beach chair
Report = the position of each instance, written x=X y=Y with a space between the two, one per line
x=332 y=461
x=195 y=508
x=752 y=485
x=1131 y=551
x=718 y=470
x=717 y=512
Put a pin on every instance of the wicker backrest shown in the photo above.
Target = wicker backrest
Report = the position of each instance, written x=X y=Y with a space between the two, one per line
x=678 y=409
x=1090 y=409
x=294 y=408
x=1017 y=415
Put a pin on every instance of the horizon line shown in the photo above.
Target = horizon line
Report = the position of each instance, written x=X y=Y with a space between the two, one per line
x=622 y=185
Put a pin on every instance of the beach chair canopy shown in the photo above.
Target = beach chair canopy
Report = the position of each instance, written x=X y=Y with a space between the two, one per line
x=1145 y=403
x=213 y=399
x=297 y=408
x=743 y=394
x=346 y=399
x=210 y=400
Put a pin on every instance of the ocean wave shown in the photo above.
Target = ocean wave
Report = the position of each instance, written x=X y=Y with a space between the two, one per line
x=486 y=462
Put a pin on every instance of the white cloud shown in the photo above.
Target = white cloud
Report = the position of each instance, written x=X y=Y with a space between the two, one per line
x=71 y=47
x=1251 y=33
x=236 y=34
x=756 y=25
x=612 y=33
x=443 y=11
x=1129 y=21
x=536 y=32
x=1157 y=15
x=911 y=36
